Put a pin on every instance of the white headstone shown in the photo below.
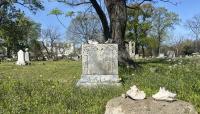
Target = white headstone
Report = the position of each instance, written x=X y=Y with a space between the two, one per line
x=171 y=54
x=27 y=59
x=161 y=55
x=137 y=56
x=20 y=58
x=99 y=65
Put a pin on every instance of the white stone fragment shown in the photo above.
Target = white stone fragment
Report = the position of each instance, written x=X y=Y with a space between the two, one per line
x=135 y=93
x=93 y=42
x=164 y=95
x=123 y=95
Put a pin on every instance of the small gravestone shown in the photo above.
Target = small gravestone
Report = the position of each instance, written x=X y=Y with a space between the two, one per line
x=75 y=58
x=27 y=59
x=171 y=54
x=131 y=48
x=99 y=65
x=137 y=56
x=20 y=58
x=161 y=55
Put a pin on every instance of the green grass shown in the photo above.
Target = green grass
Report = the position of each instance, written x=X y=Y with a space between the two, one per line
x=49 y=87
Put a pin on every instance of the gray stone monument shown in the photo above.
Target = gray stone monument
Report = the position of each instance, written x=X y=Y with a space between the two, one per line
x=27 y=59
x=161 y=56
x=137 y=56
x=131 y=48
x=99 y=65
x=20 y=58
x=171 y=54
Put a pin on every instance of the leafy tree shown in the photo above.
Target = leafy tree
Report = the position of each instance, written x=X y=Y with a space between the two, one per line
x=187 y=47
x=114 y=25
x=139 y=24
x=163 y=20
x=8 y=8
x=33 y=43
x=14 y=26
x=18 y=33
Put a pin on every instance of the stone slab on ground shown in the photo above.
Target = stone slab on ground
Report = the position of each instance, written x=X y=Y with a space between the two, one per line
x=121 y=105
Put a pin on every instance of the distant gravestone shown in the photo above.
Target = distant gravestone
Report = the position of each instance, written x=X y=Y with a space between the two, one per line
x=137 y=56
x=161 y=55
x=131 y=48
x=171 y=54
x=27 y=59
x=75 y=58
x=20 y=58
x=99 y=65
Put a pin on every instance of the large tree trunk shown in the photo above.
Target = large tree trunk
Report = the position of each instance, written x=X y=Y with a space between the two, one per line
x=159 y=42
x=196 y=44
x=136 y=46
x=143 y=51
x=102 y=16
x=118 y=18
x=44 y=46
x=135 y=26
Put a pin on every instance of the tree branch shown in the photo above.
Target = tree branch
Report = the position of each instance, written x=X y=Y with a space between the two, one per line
x=60 y=22
x=103 y=19
x=73 y=4
x=22 y=4
x=174 y=3
x=154 y=1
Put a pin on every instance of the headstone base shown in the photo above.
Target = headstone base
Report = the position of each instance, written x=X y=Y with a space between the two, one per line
x=96 y=80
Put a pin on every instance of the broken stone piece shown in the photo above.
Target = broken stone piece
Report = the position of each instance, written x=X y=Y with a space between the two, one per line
x=164 y=95
x=135 y=93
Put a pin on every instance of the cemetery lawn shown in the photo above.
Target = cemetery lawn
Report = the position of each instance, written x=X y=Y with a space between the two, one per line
x=49 y=87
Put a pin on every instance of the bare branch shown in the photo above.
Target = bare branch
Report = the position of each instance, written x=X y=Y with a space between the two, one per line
x=131 y=7
x=74 y=4
x=22 y=4
x=63 y=25
x=174 y=3
x=154 y=1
